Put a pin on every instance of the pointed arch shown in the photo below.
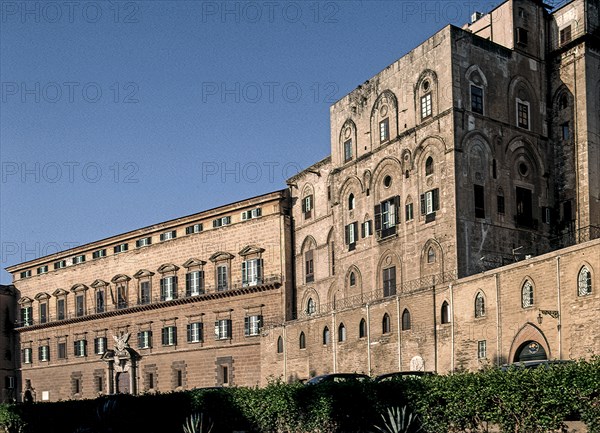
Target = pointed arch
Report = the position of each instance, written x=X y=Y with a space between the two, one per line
x=389 y=265
x=406 y=322
x=528 y=332
x=384 y=118
x=584 y=280
x=432 y=265
x=480 y=304
x=362 y=328
x=302 y=340
x=445 y=312
x=386 y=324
x=348 y=145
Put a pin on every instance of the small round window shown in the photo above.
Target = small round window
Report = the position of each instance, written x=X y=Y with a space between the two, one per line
x=426 y=85
x=387 y=181
x=523 y=169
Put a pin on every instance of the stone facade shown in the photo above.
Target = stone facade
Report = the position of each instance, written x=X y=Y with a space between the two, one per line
x=7 y=354
x=454 y=225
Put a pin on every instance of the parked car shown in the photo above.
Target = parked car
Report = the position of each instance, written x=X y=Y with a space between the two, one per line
x=338 y=377
x=402 y=375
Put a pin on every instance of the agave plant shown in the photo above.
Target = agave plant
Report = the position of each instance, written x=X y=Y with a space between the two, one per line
x=195 y=424
x=399 y=421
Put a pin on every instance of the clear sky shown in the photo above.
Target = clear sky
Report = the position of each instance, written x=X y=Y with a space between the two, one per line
x=116 y=115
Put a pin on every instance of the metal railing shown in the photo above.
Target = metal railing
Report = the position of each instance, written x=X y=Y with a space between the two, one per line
x=206 y=291
x=379 y=294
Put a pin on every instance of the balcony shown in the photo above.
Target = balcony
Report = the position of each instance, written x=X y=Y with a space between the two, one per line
x=150 y=302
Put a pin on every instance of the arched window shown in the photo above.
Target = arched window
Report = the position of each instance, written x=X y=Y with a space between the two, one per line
x=430 y=255
x=326 y=335
x=563 y=101
x=386 y=324
x=351 y=201
x=302 y=342
x=352 y=279
x=445 y=312
x=405 y=320
x=584 y=282
x=362 y=328
x=527 y=295
x=429 y=166
x=311 y=307
x=341 y=333
x=479 y=305
x=280 y=345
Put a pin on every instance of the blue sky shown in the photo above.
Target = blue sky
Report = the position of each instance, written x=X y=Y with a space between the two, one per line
x=118 y=115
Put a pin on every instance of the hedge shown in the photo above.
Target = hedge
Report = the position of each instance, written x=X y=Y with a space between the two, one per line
x=517 y=400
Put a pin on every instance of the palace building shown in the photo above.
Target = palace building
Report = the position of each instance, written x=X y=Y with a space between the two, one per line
x=456 y=224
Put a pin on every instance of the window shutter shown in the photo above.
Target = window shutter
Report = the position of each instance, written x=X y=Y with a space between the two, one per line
x=229 y=328
x=378 y=218
x=397 y=210
x=362 y=230
x=175 y=287
x=259 y=270
x=217 y=330
x=84 y=347
x=201 y=331
x=304 y=205
x=189 y=332
x=149 y=338
x=162 y=289
x=201 y=273
x=347 y=234
x=40 y=353
x=423 y=205
x=164 y=336
x=246 y=326
x=140 y=339
x=244 y=273
x=75 y=348
x=436 y=199
x=174 y=335
x=188 y=284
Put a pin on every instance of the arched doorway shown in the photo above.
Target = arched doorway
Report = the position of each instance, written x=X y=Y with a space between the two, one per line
x=530 y=351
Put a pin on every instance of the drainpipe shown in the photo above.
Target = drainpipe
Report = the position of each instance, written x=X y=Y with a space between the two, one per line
x=435 y=339
x=560 y=355
x=368 y=340
x=399 y=332
x=452 y=328
x=284 y=353
x=333 y=334
x=498 y=328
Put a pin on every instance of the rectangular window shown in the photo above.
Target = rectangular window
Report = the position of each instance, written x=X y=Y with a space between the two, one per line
x=567 y=211
x=145 y=339
x=307 y=205
x=481 y=349
x=80 y=348
x=168 y=288
x=120 y=248
x=61 y=350
x=347 y=150
x=309 y=269
x=389 y=281
x=367 y=228
x=524 y=215
x=222 y=278
x=42 y=269
x=26 y=274
x=43 y=312
x=565 y=35
x=76 y=386
x=194 y=332
x=222 y=221
x=150 y=380
x=564 y=131
x=479 y=197
x=430 y=203
x=144 y=242
x=44 y=353
x=27 y=316
x=100 y=301
x=179 y=378
x=26 y=355
x=384 y=130
x=194 y=283
x=252 y=272
x=168 y=235
x=60 y=264
x=79 y=305
x=145 y=292
x=99 y=384
x=522 y=114
x=169 y=336
x=249 y=214
x=252 y=325
x=426 y=106
x=223 y=329
x=98 y=254
x=196 y=228
x=78 y=259
x=387 y=217
x=522 y=36
x=410 y=215
x=100 y=345
x=476 y=99
x=547 y=215
x=351 y=235
x=60 y=309
x=500 y=203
